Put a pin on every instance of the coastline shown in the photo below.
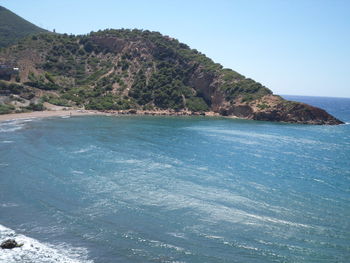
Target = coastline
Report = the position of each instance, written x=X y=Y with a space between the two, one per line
x=75 y=112
x=44 y=114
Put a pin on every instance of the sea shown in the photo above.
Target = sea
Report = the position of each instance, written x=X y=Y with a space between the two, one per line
x=128 y=189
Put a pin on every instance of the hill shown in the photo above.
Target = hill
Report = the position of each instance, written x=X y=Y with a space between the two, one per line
x=13 y=28
x=137 y=70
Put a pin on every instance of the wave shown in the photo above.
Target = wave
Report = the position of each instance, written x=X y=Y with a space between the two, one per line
x=77 y=172
x=7 y=142
x=11 y=129
x=8 y=205
x=85 y=149
x=14 y=125
x=38 y=252
x=157 y=244
x=249 y=137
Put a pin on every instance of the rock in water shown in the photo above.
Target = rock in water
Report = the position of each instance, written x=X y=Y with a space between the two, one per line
x=9 y=244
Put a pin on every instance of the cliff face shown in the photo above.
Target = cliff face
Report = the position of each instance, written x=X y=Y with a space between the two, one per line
x=134 y=69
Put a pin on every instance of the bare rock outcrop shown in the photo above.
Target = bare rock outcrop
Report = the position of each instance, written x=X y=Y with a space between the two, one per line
x=9 y=244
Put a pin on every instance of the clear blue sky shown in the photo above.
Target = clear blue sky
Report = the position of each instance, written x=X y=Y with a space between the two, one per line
x=299 y=47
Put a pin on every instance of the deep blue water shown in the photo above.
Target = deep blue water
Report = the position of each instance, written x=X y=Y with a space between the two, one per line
x=176 y=189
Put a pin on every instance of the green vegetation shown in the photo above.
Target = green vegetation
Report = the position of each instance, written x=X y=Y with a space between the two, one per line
x=128 y=69
x=165 y=88
x=110 y=102
x=247 y=88
x=230 y=75
x=56 y=100
x=10 y=88
x=6 y=108
x=14 y=28
x=197 y=104
x=140 y=91
x=42 y=85
x=262 y=106
x=35 y=107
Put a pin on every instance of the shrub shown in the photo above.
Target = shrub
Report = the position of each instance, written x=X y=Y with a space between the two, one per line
x=56 y=101
x=35 y=107
x=13 y=88
x=196 y=104
x=262 y=106
x=6 y=108
x=42 y=85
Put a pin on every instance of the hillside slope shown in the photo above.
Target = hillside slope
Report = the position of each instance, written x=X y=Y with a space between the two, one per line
x=13 y=28
x=140 y=70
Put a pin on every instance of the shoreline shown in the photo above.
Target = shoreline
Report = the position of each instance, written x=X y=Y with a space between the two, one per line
x=131 y=112
x=45 y=114
x=62 y=113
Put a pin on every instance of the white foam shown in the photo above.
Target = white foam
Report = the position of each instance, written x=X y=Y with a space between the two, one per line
x=318 y=180
x=7 y=142
x=178 y=235
x=11 y=129
x=132 y=161
x=210 y=203
x=14 y=125
x=213 y=237
x=248 y=137
x=77 y=172
x=157 y=243
x=35 y=251
x=85 y=149
x=8 y=205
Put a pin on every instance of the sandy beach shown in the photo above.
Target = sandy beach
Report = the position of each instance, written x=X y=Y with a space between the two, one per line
x=43 y=114
x=73 y=112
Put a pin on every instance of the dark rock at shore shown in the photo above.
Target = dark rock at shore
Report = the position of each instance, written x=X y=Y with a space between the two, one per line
x=275 y=108
x=298 y=113
x=9 y=244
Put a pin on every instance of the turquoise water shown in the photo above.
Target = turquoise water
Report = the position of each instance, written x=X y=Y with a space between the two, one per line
x=176 y=189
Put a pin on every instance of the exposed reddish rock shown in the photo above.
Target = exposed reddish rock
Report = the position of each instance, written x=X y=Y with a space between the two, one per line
x=298 y=113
